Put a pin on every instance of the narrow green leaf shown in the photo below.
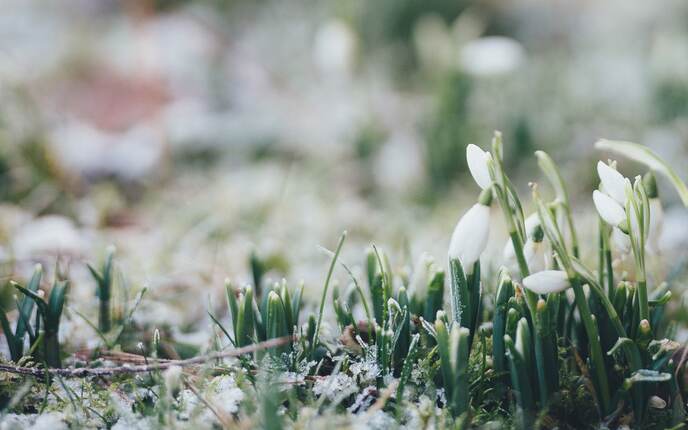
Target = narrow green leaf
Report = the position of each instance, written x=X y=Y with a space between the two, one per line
x=505 y=290
x=222 y=328
x=25 y=306
x=442 y=337
x=435 y=297
x=406 y=371
x=325 y=288
x=232 y=304
x=549 y=168
x=56 y=301
x=460 y=298
x=521 y=385
x=11 y=340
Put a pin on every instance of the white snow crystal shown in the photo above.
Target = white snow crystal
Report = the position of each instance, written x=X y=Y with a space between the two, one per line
x=333 y=385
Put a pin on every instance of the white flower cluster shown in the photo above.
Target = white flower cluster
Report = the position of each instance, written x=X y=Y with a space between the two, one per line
x=472 y=231
x=635 y=219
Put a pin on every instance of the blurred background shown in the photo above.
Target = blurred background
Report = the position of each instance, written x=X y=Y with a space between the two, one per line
x=194 y=134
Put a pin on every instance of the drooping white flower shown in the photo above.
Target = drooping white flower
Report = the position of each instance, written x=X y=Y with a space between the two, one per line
x=477 y=163
x=470 y=236
x=547 y=281
x=613 y=182
x=534 y=253
x=621 y=241
x=608 y=208
x=508 y=254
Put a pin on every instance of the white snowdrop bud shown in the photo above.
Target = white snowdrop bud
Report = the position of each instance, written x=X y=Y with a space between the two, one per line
x=477 y=163
x=547 y=281
x=609 y=209
x=508 y=254
x=470 y=236
x=613 y=182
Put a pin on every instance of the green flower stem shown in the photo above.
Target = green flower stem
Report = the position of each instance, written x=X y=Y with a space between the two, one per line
x=610 y=273
x=643 y=301
x=595 y=346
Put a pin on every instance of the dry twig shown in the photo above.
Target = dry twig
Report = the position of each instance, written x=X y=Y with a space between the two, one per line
x=128 y=369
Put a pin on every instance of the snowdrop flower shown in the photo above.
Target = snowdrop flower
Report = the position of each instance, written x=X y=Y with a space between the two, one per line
x=621 y=241
x=547 y=281
x=608 y=208
x=477 y=163
x=470 y=236
x=613 y=183
x=508 y=254
x=534 y=252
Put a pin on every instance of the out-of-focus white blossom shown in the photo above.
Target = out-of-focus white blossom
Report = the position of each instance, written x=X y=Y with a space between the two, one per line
x=52 y=234
x=492 y=55
x=90 y=151
x=335 y=47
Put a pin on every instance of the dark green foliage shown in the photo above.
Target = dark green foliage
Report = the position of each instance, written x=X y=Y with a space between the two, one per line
x=25 y=305
x=48 y=319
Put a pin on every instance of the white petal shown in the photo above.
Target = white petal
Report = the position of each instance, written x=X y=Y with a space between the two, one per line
x=477 y=164
x=608 y=208
x=547 y=281
x=470 y=236
x=621 y=241
x=613 y=182
x=508 y=254
x=531 y=223
x=534 y=252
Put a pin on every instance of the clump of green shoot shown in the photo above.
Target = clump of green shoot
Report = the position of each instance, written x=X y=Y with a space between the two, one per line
x=25 y=305
x=47 y=322
x=104 y=281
